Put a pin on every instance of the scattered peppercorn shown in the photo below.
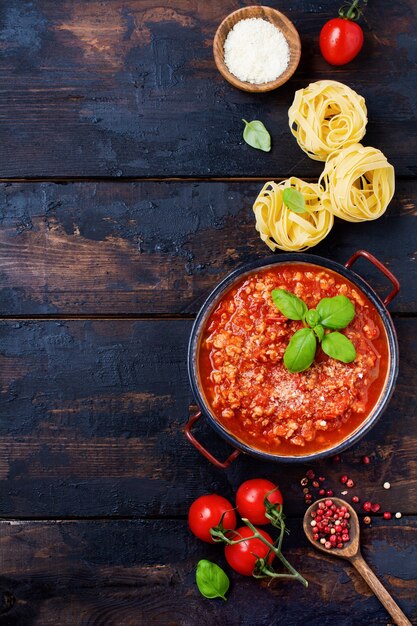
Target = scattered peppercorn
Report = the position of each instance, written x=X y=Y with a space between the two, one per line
x=398 y=515
x=387 y=485
x=366 y=460
x=305 y=490
x=367 y=520
x=310 y=474
x=375 y=508
x=344 y=479
x=350 y=483
x=321 y=479
x=322 y=492
x=367 y=506
x=355 y=499
x=387 y=515
x=304 y=482
x=329 y=493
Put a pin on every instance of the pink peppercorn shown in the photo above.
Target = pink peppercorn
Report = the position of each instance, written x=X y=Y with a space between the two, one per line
x=330 y=525
x=329 y=493
x=375 y=508
x=316 y=484
x=321 y=479
x=310 y=474
x=366 y=460
x=355 y=499
x=344 y=479
x=322 y=492
x=367 y=506
x=387 y=515
x=350 y=483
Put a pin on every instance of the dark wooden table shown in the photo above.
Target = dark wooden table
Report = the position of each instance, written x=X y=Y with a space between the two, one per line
x=126 y=195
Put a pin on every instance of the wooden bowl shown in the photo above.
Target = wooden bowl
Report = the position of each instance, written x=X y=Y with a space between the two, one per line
x=276 y=18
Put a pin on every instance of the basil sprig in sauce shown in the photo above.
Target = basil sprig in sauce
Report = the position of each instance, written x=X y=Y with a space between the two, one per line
x=331 y=313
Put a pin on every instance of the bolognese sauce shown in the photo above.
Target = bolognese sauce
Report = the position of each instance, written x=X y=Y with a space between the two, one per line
x=247 y=385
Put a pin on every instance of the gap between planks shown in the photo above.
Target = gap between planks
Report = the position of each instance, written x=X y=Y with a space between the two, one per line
x=160 y=317
x=147 y=518
x=163 y=179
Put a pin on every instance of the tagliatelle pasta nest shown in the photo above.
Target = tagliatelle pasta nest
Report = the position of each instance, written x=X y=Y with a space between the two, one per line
x=327 y=116
x=282 y=228
x=357 y=183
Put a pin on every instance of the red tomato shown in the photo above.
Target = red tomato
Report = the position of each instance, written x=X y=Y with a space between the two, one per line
x=250 y=499
x=206 y=512
x=242 y=556
x=340 y=40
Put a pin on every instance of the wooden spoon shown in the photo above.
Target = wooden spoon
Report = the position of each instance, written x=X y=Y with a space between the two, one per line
x=351 y=552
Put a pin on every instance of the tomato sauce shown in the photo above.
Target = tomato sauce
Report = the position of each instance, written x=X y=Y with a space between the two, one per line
x=250 y=391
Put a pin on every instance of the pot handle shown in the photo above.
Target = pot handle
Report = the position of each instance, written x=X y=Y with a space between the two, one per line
x=187 y=430
x=382 y=268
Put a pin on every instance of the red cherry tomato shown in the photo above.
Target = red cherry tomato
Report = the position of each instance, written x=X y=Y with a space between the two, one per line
x=250 y=499
x=206 y=512
x=242 y=556
x=340 y=40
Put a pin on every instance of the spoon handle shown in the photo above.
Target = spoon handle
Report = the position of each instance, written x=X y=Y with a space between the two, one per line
x=379 y=590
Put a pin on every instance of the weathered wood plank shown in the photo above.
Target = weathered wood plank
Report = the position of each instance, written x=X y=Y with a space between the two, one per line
x=130 y=88
x=142 y=572
x=159 y=247
x=91 y=417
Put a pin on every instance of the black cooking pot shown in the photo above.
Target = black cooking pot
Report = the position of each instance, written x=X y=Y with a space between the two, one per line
x=213 y=300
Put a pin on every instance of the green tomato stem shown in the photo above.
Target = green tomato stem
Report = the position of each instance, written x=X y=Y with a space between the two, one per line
x=351 y=12
x=275 y=516
x=277 y=553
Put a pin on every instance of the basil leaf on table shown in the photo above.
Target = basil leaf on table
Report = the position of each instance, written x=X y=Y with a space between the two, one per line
x=211 y=580
x=256 y=135
x=319 y=332
x=300 y=351
x=294 y=200
x=339 y=347
x=336 y=312
x=290 y=305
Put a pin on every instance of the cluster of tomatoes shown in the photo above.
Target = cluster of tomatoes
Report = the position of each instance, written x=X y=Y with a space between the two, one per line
x=210 y=511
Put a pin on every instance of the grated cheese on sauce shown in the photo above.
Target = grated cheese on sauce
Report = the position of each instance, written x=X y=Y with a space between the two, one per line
x=256 y=51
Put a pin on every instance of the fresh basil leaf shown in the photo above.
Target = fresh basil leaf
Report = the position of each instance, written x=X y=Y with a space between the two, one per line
x=294 y=200
x=336 y=312
x=339 y=347
x=301 y=350
x=256 y=135
x=289 y=305
x=211 y=580
x=312 y=318
x=319 y=332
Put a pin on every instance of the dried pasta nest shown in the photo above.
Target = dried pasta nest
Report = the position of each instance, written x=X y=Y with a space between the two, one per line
x=280 y=227
x=357 y=183
x=327 y=116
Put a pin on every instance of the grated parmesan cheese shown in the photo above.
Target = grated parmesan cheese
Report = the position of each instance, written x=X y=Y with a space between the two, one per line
x=256 y=51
